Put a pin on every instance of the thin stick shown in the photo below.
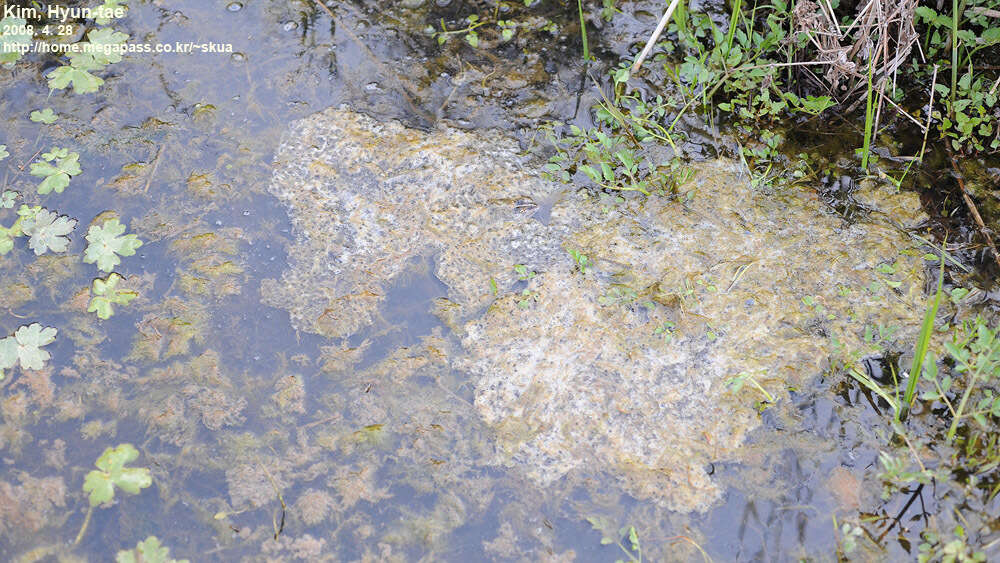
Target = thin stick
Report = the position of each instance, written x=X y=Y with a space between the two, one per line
x=156 y=163
x=972 y=209
x=656 y=35
x=83 y=528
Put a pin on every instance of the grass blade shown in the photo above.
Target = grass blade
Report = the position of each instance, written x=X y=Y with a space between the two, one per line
x=922 y=343
x=583 y=31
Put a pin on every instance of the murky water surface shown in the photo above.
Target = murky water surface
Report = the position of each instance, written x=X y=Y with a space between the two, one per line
x=334 y=354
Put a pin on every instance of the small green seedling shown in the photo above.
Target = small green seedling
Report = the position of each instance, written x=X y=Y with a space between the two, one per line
x=106 y=293
x=523 y=273
x=3 y=152
x=25 y=347
x=666 y=330
x=56 y=176
x=148 y=550
x=609 y=535
x=582 y=261
x=7 y=199
x=736 y=382
x=106 y=243
x=111 y=473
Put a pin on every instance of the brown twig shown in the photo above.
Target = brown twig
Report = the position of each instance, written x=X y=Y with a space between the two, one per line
x=972 y=209
x=156 y=164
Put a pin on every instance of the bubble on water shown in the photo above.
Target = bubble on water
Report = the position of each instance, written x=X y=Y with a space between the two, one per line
x=290 y=26
x=238 y=57
x=234 y=6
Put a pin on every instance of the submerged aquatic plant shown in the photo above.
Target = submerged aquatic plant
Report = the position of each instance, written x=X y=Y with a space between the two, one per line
x=110 y=474
x=106 y=293
x=611 y=534
x=148 y=550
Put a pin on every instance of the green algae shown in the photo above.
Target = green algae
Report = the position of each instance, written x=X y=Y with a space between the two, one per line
x=770 y=284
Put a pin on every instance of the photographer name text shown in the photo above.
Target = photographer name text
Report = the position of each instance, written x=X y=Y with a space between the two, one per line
x=62 y=13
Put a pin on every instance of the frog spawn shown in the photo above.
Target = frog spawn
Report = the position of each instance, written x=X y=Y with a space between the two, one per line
x=573 y=383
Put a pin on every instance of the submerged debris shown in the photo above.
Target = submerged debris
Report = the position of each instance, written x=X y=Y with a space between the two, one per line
x=619 y=339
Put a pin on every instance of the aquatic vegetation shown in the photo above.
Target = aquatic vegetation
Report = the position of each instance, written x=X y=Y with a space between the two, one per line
x=104 y=47
x=46 y=116
x=48 y=231
x=581 y=260
x=620 y=154
x=107 y=242
x=737 y=382
x=937 y=548
x=609 y=535
x=106 y=293
x=148 y=550
x=111 y=473
x=15 y=39
x=25 y=347
x=111 y=7
x=57 y=176
x=634 y=374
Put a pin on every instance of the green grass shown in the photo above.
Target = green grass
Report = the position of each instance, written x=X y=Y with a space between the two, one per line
x=923 y=341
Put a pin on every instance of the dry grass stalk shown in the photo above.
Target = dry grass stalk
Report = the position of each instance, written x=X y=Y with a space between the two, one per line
x=879 y=41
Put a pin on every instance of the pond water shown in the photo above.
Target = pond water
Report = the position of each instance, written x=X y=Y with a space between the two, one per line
x=333 y=354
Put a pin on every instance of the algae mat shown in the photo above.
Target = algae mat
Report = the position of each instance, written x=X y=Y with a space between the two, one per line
x=624 y=367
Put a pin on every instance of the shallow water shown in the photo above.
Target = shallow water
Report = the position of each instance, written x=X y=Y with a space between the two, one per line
x=372 y=430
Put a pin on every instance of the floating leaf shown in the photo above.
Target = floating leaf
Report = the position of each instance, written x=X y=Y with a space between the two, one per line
x=3 y=152
x=11 y=44
x=48 y=231
x=55 y=153
x=6 y=241
x=106 y=243
x=27 y=213
x=56 y=177
x=25 y=347
x=108 y=7
x=45 y=116
x=111 y=472
x=7 y=199
x=105 y=42
x=106 y=293
x=147 y=551
x=83 y=82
